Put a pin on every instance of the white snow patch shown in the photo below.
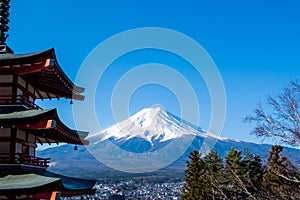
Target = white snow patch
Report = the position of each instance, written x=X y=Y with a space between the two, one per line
x=151 y=124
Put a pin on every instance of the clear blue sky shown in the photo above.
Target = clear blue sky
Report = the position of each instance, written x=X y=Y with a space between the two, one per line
x=255 y=44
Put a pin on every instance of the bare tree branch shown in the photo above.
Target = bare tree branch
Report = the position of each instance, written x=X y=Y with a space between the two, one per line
x=240 y=183
x=215 y=183
x=294 y=180
x=283 y=120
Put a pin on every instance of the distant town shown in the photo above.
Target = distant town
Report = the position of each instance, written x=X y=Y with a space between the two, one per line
x=134 y=190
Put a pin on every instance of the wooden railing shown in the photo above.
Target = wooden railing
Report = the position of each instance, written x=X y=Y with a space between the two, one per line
x=24 y=159
x=19 y=99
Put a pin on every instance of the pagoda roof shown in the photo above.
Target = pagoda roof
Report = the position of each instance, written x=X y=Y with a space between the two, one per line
x=24 y=181
x=42 y=70
x=18 y=181
x=45 y=124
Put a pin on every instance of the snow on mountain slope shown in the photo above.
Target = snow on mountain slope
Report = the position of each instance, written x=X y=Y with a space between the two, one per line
x=151 y=124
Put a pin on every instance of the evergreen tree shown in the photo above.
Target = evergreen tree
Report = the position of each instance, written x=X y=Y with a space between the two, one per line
x=243 y=174
x=193 y=188
x=234 y=173
x=214 y=176
x=280 y=180
x=253 y=173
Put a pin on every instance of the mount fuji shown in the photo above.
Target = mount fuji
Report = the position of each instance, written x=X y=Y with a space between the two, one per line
x=148 y=130
x=145 y=133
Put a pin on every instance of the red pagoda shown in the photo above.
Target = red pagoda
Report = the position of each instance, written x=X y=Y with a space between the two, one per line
x=25 y=78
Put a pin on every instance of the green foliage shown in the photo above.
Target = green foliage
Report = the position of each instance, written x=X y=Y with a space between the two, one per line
x=253 y=172
x=215 y=177
x=241 y=176
x=192 y=190
x=281 y=179
x=204 y=177
x=235 y=173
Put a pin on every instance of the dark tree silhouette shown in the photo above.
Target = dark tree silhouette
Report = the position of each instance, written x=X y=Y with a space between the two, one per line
x=236 y=174
x=254 y=171
x=282 y=122
x=214 y=179
x=241 y=176
x=193 y=188
x=280 y=180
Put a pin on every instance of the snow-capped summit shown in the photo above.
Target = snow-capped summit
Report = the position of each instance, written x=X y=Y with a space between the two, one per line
x=145 y=117
x=151 y=124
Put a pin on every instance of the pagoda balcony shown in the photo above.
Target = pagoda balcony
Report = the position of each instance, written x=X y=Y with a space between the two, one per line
x=18 y=100
x=25 y=159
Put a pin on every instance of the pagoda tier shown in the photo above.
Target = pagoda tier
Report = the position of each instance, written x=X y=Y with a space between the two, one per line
x=21 y=131
x=27 y=77
x=44 y=125
x=34 y=184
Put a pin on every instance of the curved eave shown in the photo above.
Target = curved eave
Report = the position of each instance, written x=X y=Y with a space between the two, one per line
x=8 y=59
x=77 y=89
x=43 y=71
x=72 y=186
x=80 y=135
x=18 y=181
x=45 y=124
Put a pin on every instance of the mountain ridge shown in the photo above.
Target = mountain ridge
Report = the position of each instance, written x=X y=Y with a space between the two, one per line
x=151 y=124
x=145 y=133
